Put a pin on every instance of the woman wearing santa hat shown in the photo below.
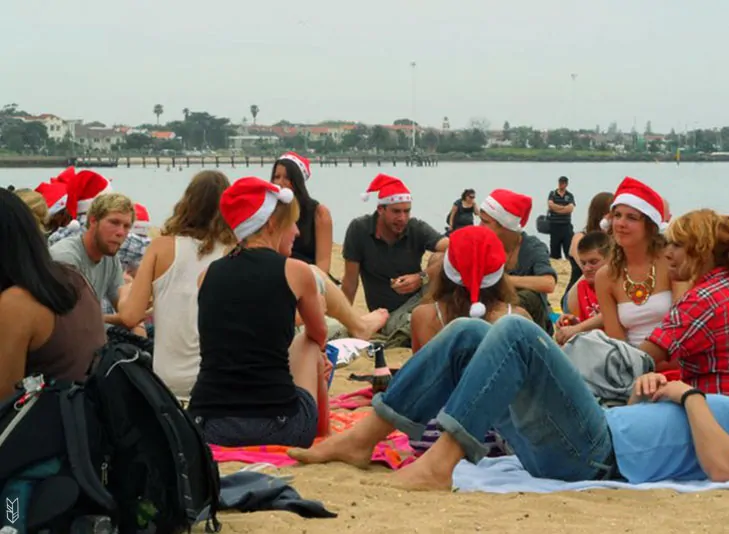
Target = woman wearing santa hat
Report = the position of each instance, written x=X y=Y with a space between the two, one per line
x=634 y=289
x=258 y=384
x=471 y=282
x=314 y=242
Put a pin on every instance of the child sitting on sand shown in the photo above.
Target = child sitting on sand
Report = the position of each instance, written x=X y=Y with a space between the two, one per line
x=592 y=253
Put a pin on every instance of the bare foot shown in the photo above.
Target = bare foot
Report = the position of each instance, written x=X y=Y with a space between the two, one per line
x=345 y=447
x=370 y=323
x=420 y=476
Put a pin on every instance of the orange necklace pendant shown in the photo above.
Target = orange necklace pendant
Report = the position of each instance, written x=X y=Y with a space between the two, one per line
x=640 y=292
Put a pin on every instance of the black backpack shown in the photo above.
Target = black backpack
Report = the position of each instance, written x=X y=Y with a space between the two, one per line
x=124 y=448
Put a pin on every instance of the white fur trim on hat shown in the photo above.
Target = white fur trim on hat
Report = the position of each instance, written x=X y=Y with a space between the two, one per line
x=646 y=208
x=300 y=164
x=394 y=199
x=59 y=206
x=493 y=208
x=141 y=228
x=254 y=223
x=454 y=276
x=83 y=206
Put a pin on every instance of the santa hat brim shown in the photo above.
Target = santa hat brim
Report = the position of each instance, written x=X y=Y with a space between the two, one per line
x=494 y=209
x=58 y=206
x=454 y=276
x=640 y=204
x=255 y=222
x=141 y=228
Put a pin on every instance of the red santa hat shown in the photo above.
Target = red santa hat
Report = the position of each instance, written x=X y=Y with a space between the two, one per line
x=65 y=176
x=55 y=196
x=637 y=195
x=511 y=210
x=390 y=190
x=475 y=259
x=302 y=163
x=248 y=204
x=83 y=188
x=141 y=220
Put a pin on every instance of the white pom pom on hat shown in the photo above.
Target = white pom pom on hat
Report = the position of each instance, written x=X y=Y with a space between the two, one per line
x=285 y=195
x=605 y=224
x=477 y=310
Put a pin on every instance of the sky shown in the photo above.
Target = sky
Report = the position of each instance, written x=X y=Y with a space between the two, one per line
x=493 y=60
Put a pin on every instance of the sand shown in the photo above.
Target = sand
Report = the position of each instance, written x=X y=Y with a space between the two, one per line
x=366 y=505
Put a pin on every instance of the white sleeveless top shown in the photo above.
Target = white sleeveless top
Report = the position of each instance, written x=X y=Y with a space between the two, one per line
x=176 y=340
x=640 y=321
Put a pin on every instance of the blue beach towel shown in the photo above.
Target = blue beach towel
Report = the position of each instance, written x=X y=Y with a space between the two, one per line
x=507 y=475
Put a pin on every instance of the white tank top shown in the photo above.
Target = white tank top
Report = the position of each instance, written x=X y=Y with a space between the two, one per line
x=176 y=340
x=640 y=321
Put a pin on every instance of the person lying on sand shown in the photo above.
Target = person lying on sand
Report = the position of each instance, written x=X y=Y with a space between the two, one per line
x=512 y=376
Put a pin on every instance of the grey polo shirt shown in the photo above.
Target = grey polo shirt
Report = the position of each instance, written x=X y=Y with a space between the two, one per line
x=533 y=260
x=380 y=261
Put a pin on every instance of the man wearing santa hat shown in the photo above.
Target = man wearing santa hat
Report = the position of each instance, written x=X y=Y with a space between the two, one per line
x=386 y=250
x=528 y=265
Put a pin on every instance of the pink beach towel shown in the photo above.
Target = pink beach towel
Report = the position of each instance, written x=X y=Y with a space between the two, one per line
x=395 y=451
x=352 y=401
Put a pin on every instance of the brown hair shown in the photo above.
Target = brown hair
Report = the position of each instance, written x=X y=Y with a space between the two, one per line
x=457 y=299
x=705 y=235
x=599 y=207
x=618 y=262
x=108 y=203
x=37 y=205
x=197 y=213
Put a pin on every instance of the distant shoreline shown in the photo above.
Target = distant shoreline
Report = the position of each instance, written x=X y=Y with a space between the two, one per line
x=426 y=160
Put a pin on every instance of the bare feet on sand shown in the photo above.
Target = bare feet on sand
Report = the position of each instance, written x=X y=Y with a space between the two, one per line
x=421 y=476
x=345 y=447
x=370 y=323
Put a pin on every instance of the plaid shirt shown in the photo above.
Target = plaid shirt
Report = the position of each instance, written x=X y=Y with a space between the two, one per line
x=696 y=332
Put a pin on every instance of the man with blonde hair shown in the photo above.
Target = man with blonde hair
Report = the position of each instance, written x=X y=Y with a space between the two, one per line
x=93 y=252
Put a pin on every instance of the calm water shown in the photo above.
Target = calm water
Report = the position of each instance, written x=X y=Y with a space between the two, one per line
x=688 y=186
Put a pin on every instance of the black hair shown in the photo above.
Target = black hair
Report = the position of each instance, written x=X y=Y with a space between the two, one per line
x=25 y=261
x=564 y=179
x=467 y=192
x=11 y=188
x=298 y=184
x=599 y=241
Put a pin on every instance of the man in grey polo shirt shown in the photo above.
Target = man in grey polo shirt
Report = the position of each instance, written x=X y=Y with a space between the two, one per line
x=386 y=250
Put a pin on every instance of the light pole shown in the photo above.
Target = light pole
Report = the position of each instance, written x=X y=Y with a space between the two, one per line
x=412 y=120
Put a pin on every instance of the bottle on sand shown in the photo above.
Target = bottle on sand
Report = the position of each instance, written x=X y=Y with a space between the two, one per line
x=382 y=375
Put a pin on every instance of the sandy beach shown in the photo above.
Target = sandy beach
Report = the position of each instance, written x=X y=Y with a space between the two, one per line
x=365 y=504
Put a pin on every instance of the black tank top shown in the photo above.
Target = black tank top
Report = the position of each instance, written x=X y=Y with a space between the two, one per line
x=304 y=248
x=463 y=216
x=246 y=314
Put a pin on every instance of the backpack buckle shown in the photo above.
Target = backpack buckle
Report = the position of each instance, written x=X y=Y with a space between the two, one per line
x=32 y=385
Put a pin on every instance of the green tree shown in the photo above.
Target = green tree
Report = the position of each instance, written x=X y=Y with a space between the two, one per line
x=186 y=113
x=254 y=113
x=158 y=110
x=380 y=139
x=431 y=140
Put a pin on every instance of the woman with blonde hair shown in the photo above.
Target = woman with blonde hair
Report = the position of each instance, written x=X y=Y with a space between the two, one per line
x=258 y=383
x=192 y=238
x=634 y=289
x=37 y=205
x=695 y=333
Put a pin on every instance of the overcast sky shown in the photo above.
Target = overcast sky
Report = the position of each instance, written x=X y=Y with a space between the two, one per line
x=658 y=60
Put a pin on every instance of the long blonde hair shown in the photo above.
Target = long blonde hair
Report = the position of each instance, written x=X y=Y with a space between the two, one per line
x=37 y=205
x=704 y=234
x=197 y=213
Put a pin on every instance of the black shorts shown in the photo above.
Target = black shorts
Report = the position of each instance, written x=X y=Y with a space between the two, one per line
x=298 y=430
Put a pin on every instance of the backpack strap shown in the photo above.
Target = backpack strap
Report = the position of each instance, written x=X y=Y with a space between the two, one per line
x=74 y=427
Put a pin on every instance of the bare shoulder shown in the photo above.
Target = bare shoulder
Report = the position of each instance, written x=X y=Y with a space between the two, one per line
x=423 y=313
x=19 y=306
x=602 y=276
x=518 y=310
x=322 y=213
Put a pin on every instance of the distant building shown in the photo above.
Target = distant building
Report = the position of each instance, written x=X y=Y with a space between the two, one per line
x=95 y=138
x=56 y=127
x=240 y=143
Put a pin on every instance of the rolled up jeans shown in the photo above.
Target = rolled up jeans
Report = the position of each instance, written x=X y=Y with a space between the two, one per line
x=509 y=376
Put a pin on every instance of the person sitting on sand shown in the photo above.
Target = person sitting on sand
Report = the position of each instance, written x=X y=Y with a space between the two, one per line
x=596 y=212
x=695 y=332
x=528 y=265
x=192 y=238
x=386 y=249
x=313 y=245
x=592 y=252
x=513 y=377
x=50 y=318
x=471 y=282
x=634 y=289
x=257 y=384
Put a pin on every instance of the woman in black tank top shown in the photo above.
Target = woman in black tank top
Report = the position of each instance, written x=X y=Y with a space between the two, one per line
x=314 y=243
x=259 y=385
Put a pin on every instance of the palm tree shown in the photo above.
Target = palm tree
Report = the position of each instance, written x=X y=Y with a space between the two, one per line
x=158 y=110
x=186 y=112
x=254 y=112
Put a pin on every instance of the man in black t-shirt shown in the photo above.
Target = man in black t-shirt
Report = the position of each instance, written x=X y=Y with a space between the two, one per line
x=560 y=204
x=386 y=250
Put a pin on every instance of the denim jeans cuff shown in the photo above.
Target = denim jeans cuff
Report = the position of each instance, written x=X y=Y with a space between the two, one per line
x=473 y=448
x=412 y=429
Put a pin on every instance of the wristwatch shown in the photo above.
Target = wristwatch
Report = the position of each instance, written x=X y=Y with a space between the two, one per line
x=424 y=278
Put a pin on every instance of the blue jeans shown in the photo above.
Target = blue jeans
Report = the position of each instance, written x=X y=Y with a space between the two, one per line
x=509 y=376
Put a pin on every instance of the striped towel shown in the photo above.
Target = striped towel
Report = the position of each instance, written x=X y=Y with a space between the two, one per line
x=495 y=444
